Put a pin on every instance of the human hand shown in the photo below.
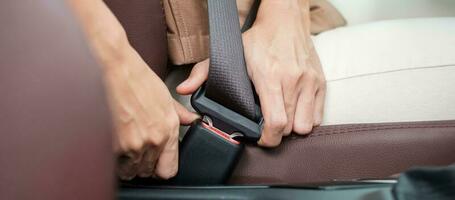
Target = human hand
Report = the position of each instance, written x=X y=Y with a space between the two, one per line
x=145 y=116
x=284 y=68
x=146 y=119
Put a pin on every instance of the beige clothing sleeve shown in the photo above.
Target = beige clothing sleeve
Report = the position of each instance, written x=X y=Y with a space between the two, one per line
x=187 y=23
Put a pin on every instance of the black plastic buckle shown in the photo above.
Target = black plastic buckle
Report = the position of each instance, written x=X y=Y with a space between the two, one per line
x=207 y=156
x=211 y=147
x=225 y=119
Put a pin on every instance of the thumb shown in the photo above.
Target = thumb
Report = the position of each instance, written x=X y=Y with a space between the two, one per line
x=197 y=77
x=185 y=116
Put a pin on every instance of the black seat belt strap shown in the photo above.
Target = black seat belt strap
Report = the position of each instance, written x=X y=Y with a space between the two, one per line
x=210 y=149
x=228 y=82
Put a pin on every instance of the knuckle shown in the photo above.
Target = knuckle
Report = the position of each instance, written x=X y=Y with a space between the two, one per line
x=159 y=136
x=322 y=83
x=311 y=76
x=296 y=73
x=294 y=78
x=157 y=139
x=126 y=170
x=303 y=128
x=270 y=142
x=278 y=122
x=136 y=145
x=173 y=122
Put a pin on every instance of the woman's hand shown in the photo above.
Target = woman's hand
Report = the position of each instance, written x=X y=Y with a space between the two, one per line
x=145 y=116
x=284 y=68
x=147 y=121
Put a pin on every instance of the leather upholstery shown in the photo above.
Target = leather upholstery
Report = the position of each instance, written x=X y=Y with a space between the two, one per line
x=143 y=21
x=349 y=152
x=55 y=132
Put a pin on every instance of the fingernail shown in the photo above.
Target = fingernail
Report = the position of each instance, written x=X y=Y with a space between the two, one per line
x=260 y=142
x=182 y=84
x=196 y=115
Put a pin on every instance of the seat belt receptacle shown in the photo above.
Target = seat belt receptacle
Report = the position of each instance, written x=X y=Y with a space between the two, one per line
x=211 y=147
x=207 y=156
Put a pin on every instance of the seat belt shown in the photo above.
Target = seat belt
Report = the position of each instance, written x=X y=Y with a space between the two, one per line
x=227 y=99
x=228 y=82
x=210 y=149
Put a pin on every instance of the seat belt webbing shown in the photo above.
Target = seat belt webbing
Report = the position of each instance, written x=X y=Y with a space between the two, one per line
x=228 y=82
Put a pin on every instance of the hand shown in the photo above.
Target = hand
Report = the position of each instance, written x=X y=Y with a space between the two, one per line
x=146 y=119
x=284 y=68
x=145 y=116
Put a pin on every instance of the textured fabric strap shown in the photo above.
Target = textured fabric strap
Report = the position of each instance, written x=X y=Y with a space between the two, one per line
x=228 y=82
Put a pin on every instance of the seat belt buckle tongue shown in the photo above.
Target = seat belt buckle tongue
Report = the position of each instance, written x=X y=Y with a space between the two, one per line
x=227 y=120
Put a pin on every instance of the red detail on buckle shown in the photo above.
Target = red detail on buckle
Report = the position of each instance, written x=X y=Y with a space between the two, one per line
x=220 y=133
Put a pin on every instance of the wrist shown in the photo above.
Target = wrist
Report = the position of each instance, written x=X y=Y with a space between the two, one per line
x=290 y=14
x=106 y=37
x=284 y=7
x=109 y=47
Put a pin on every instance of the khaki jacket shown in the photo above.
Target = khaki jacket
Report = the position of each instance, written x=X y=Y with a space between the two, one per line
x=187 y=26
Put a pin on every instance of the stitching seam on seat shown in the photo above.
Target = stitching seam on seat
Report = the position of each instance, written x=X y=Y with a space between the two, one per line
x=391 y=71
x=359 y=129
x=350 y=128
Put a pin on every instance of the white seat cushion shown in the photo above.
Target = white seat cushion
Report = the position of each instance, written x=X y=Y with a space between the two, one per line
x=363 y=11
x=389 y=71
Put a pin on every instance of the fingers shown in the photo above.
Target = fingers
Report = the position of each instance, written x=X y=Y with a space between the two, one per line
x=147 y=165
x=128 y=165
x=167 y=165
x=198 y=75
x=319 y=106
x=290 y=95
x=275 y=118
x=129 y=162
x=303 y=120
x=150 y=151
x=322 y=87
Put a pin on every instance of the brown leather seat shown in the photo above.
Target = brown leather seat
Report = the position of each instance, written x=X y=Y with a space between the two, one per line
x=352 y=151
